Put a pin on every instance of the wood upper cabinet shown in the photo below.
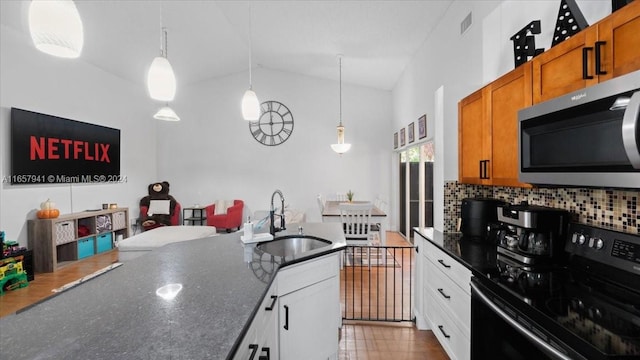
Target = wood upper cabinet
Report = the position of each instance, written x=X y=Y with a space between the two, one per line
x=621 y=33
x=488 y=130
x=605 y=50
x=471 y=132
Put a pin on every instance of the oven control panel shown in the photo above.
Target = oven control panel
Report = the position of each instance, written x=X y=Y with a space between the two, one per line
x=621 y=250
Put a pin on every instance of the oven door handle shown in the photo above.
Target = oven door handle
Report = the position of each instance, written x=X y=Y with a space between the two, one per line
x=521 y=329
x=630 y=130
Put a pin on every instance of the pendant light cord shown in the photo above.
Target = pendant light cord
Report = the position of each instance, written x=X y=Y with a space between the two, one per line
x=164 y=51
x=250 y=47
x=340 y=60
x=163 y=36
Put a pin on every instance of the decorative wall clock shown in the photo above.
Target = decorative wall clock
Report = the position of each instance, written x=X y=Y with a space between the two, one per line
x=275 y=124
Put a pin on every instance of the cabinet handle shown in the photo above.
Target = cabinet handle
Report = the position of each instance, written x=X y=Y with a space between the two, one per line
x=598 y=54
x=443 y=264
x=417 y=250
x=585 y=63
x=443 y=294
x=264 y=357
x=273 y=303
x=442 y=331
x=484 y=174
x=286 y=317
x=254 y=350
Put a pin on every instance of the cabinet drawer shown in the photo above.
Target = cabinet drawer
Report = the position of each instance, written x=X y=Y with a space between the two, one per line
x=457 y=346
x=266 y=320
x=245 y=348
x=86 y=247
x=65 y=231
x=297 y=276
x=104 y=242
x=452 y=268
x=449 y=295
x=119 y=220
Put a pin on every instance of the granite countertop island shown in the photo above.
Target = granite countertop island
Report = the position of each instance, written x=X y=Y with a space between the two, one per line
x=118 y=315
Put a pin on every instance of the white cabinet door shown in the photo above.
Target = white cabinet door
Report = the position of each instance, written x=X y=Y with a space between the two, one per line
x=419 y=309
x=308 y=321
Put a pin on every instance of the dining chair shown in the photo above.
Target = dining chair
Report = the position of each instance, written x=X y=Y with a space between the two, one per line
x=381 y=204
x=341 y=197
x=356 y=223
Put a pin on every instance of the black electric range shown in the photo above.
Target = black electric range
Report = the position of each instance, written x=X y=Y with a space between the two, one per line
x=587 y=307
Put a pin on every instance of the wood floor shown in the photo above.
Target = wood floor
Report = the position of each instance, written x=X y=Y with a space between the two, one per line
x=358 y=340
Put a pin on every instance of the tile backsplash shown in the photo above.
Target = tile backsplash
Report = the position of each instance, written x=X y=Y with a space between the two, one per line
x=614 y=209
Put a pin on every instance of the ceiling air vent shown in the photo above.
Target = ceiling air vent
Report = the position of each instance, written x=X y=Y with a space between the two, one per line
x=466 y=24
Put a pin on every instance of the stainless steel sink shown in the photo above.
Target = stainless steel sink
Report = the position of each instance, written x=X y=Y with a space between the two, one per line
x=292 y=245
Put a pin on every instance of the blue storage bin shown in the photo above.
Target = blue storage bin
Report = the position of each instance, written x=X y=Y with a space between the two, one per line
x=86 y=247
x=104 y=242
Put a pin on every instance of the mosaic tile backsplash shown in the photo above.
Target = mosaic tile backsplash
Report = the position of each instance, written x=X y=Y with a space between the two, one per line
x=613 y=209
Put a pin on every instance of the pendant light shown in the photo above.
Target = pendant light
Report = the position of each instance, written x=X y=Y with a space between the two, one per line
x=56 y=27
x=167 y=114
x=161 y=81
x=250 y=102
x=340 y=147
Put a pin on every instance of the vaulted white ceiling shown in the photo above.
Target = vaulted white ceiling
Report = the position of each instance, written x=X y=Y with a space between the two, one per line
x=209 y=39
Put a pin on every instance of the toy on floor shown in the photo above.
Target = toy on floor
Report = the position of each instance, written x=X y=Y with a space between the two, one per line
x=12 y=275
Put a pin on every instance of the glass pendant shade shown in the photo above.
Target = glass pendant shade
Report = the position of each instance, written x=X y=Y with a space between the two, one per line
x=340 y=147
x=161 y=80
x=56 y=27
x=167 y=114
x=250 y=106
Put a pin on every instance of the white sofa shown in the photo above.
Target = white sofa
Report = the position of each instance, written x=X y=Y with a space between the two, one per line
x=139 y=244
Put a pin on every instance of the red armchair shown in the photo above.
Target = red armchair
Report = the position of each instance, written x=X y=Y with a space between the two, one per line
x=231 y=220
x=175 y=217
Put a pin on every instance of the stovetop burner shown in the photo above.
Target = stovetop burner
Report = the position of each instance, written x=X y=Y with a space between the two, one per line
x=601 y=314
x=593 y=296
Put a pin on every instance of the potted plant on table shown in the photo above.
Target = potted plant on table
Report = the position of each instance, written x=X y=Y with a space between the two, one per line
x=350 y=196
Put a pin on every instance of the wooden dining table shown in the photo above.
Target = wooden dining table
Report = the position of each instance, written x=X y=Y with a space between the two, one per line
x=331 y=213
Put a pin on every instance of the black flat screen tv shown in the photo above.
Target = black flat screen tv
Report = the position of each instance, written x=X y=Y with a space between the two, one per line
x=47 y=149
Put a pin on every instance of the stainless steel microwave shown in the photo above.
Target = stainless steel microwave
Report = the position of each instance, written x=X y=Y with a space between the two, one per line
x=589 y=137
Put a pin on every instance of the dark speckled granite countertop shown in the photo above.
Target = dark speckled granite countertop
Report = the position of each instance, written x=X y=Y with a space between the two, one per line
x=476 y=255
x=118 y=315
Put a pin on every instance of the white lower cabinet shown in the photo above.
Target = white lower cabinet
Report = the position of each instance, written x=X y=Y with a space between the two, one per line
x=261 y=340
x=443 y=289
x=305 y=320
x=447 y=330
x=306 y=328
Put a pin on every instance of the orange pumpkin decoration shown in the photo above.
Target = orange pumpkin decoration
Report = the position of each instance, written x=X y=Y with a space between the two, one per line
x=48 y=214
x=48 y=210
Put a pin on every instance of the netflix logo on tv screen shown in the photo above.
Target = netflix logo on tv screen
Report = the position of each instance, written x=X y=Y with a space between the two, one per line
x=47 y=149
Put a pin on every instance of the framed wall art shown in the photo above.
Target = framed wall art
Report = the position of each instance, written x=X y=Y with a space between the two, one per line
x=412 y=134
x=395 y=140
x=402 y=138
x=422 y=127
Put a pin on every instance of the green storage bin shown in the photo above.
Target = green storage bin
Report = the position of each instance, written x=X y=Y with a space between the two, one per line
x=86 y=247
x=104 y=242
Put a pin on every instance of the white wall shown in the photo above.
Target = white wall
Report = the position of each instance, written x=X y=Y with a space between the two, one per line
x=72 y=89
x=460 y=64
x=212 y=155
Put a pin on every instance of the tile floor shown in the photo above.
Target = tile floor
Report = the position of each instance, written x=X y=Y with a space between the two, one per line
x=377 y=341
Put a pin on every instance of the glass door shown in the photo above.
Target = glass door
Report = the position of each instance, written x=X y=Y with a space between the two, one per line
x=416 y=188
